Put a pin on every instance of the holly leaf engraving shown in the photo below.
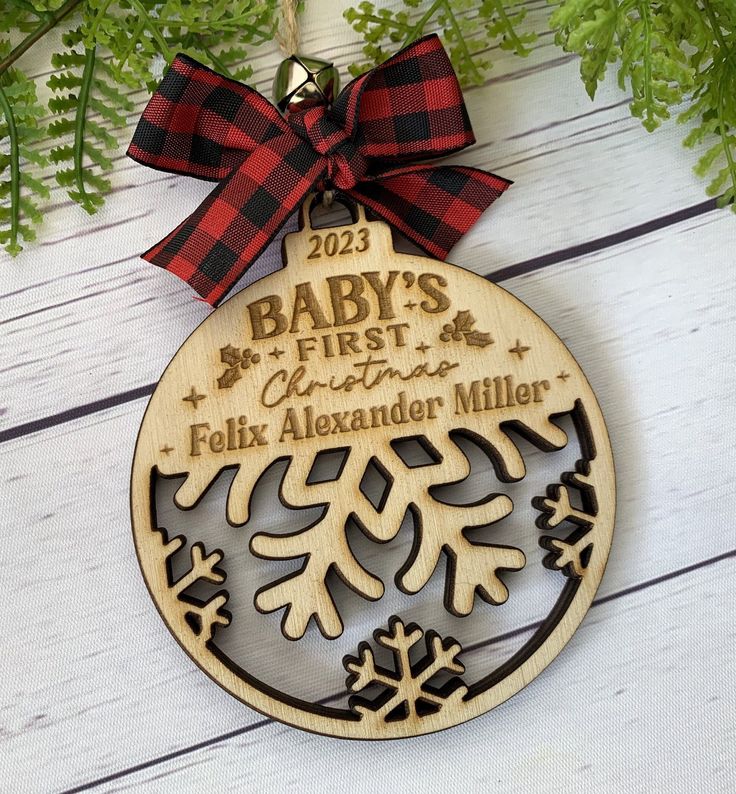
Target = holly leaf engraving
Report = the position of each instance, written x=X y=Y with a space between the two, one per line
x=464 y=321
x=462 y=328
x=231 y=356
x=478 y=339
x=229 y=377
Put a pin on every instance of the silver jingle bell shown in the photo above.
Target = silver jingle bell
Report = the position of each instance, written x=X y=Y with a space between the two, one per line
x=303 y=82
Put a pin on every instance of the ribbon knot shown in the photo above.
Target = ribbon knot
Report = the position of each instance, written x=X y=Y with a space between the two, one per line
x=367 y=145
x=345 y=166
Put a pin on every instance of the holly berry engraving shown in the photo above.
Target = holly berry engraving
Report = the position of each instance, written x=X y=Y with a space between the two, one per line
x=236 y=361
x=461 y=328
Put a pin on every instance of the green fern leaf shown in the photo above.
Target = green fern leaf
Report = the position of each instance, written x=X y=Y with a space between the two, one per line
x=20 y=130
x=61 y=154
x=669 y=53
x=98 y=157
x=468 y=30
x=62 y=104
x=110 y=50
x=63 y=81
x=86 y=159
x=61 y=127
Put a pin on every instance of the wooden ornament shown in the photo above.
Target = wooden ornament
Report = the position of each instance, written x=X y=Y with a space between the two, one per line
x=356 y=349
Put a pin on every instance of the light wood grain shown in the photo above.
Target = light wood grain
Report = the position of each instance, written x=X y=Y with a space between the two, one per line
x=406 y=347
x=81 y=672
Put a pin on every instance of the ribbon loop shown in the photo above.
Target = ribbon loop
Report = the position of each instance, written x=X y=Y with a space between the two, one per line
x=205 y=125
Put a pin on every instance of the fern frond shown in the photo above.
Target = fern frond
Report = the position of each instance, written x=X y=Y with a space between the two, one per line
x=235 y=58
x=64 y=81
x=714 y=104
x=78 y=178
x=665 y=54
x=643 y=35
x=106 y=110
x=62 y=104
x=111 y=48
x=468 y=30
x=85 y=89
x=652 y=63
x=669 y=53
x=22 y=15
x=61 y=127
x=20 y=131
x=143 y=36
x=589 y=29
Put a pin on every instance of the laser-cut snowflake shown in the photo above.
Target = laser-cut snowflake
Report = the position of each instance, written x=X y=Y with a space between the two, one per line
x=570 y=555
x=407 y=690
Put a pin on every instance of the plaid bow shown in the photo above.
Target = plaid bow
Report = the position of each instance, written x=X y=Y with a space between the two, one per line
x=208 y=126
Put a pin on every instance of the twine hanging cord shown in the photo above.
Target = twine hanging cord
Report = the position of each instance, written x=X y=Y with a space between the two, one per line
x=288 y=33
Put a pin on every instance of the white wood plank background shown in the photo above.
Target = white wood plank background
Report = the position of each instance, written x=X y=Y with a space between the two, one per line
x=608 y=236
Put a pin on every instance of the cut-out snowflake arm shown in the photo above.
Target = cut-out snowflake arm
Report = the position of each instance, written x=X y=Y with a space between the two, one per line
x=364 y=671
x=439 y=528
x=203 y=617
x=557 y=508
x=472 y=567
x=570 y=555
x=238 y=498
x=565 y=556
x=509 y=459
x=305 y=593
x=204 y=566
x=324 y=547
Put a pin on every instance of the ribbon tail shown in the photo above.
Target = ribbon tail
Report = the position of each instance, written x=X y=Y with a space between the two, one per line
x=434 y=206
x=217 y=243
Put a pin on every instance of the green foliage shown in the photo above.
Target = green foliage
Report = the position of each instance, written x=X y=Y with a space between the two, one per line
x=667 y=52
x=672 y=56
x=22 y=128
x=111 y=49
x=79 y=88
x=714 y=101
x=468 y=29
x=646 y=39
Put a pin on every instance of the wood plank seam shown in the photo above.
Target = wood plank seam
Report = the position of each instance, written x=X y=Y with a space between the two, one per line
x=518 y=269
x=606 y=241
x=92 y=784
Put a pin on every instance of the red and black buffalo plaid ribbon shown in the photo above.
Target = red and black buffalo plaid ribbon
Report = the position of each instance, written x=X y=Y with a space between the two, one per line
x=205 y=125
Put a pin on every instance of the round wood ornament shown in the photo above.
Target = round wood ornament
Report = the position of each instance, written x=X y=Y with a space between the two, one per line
x=356 y=351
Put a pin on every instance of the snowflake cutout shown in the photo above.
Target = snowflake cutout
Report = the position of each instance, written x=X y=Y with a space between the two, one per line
x=473 y=567
x=236 y=362
x=571 y=555
x=407 y=691
x=202 y=617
